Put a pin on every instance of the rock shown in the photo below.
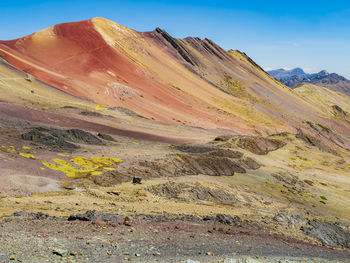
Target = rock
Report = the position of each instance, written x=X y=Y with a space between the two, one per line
x=127 y=221
x=223 y=138
x=214 y=166
x=208 y=218
x=257 y=144
x=328 y=233
x=309 y=182
x=44 y=137
x=227 y=219
x=136 y=180
x=58 y=139
x=91 y=113
x=210 y=254
x=13 y=257
x=36 y=216
x=110 y=178
x=106 y=137
x=291 y=220
x=194 y=149
x=249 y=163
x=80 y=136
x=192 y=192
x=196 y=164
x=338 y=111
x=225 y=153
x=313 y=141
x=93 y=215
x=60 y=252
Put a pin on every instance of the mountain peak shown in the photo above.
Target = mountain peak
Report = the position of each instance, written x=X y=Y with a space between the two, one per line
x=295 y=77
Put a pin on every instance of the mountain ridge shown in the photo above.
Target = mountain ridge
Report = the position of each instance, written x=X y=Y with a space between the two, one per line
x=292 y=78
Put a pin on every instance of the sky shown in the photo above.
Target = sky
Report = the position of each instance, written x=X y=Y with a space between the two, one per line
x=313 y=35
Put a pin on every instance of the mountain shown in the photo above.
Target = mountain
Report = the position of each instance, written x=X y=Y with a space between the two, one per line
x=96 y=116
x=293 y=77
x=189 y=80
x=282 y=74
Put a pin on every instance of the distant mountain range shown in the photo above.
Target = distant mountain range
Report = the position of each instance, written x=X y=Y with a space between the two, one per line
x=293 y=77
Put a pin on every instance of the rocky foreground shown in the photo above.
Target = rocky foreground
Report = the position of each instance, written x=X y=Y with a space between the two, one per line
x=105 y=237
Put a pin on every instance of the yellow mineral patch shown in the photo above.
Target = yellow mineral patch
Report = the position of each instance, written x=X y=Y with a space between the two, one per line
x=27 y=155
x=99 y=107
x=26 y=148
x=82 y=166
x=7 y=150
x=62 y=154
x=205 y=184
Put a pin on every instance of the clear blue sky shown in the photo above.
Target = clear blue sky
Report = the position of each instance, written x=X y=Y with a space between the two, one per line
x=314 y=35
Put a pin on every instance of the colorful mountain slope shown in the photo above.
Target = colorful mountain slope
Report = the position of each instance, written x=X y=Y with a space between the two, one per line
x=188 y=81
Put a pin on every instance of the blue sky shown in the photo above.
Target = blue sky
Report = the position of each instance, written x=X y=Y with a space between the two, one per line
x=313 y=35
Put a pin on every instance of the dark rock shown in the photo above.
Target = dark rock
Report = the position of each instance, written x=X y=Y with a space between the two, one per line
x=223 y=138
x=136 y=180
x=105 y=137
x=338 y=111
x=214 y=166
x=259 y=145
x=91 y=113
x=110 y=178
x=152 y=218
x=227 y=219
x=53 y=142
x=60 y=252
x=192 y=193
x=225 y=153
x=194 y=149
x=193 y=164
x=177 y=45
x=80 y=136
x=36 y=216
x=113 y=193
x=127 y=221
x=313 y=141
x=58 y=139
x=93 y=215
x=208 y=218
x=329 y=234
x=309 y=182
x=249 y=163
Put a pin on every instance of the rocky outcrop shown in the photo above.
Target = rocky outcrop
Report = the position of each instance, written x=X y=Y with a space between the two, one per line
x=192 y=193
x=257 y=144
x=61 y=140
x=329 y=234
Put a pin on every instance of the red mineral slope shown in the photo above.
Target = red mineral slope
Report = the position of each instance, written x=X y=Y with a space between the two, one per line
x=188 y=81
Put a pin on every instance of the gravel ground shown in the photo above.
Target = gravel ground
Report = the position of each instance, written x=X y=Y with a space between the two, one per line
x=25 y=240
